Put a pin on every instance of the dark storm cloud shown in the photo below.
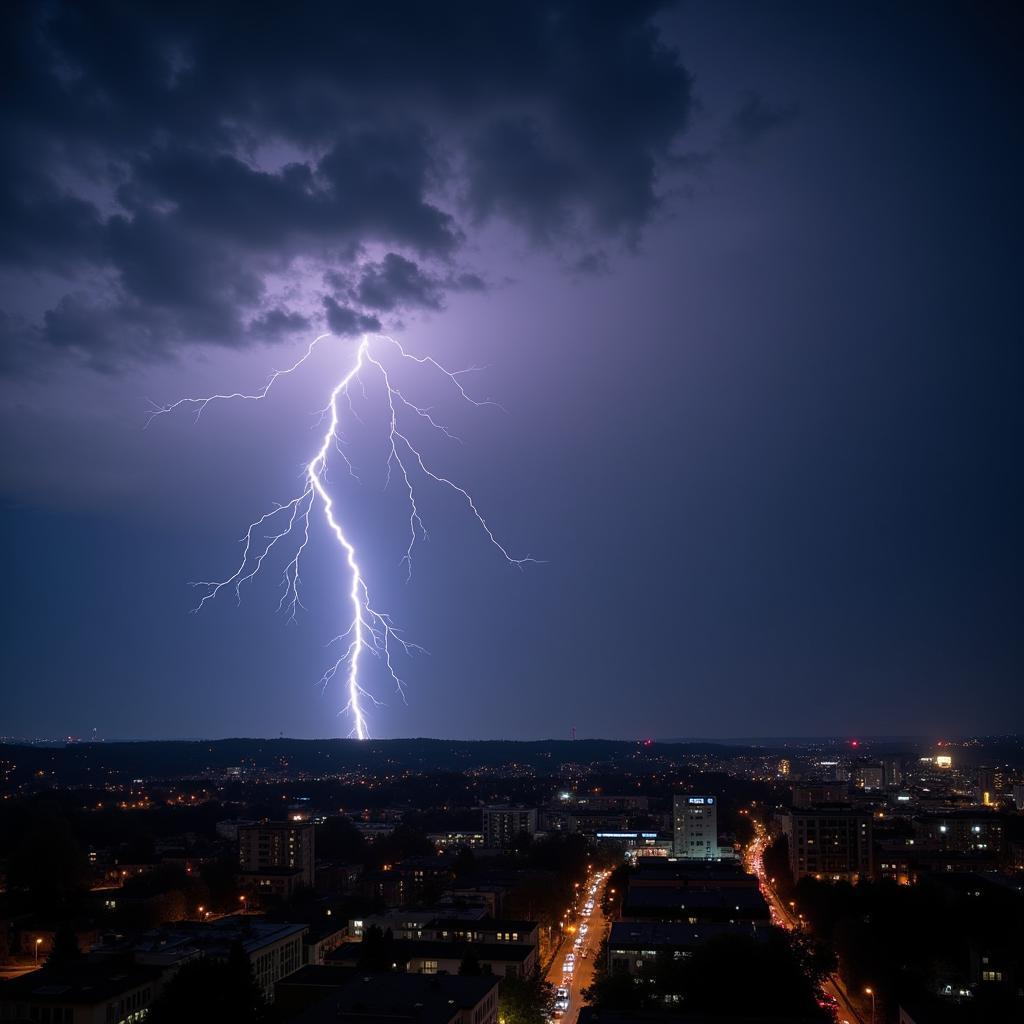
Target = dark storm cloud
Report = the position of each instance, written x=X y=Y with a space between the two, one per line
x=343 y=320
x=278 y=323
x=184 y=171
x=397 y=281
x=753 y=120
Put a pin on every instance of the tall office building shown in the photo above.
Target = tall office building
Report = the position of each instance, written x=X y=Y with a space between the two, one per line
x=278 y=847
x=892 y=771
x=695 y=827
x=990 y=785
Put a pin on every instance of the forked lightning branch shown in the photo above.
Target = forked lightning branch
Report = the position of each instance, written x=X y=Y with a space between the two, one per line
x=285 y=529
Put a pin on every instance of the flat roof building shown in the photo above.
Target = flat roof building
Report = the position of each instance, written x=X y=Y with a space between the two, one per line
x=391 y=998
x=93 y=990
x=830 y=843
x=277 y=849
x=445 y=956
x=503 y=824
x=695 y=906
x=695 y=827
x=634 y=946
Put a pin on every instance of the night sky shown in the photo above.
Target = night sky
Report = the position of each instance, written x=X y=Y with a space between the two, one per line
x=745 y=279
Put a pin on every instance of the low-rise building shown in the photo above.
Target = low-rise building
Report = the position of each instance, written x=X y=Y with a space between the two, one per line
x=274 y=949
x=488 y=931
x=426 y=956
x=695 y=906
x=455 y=840
x=634 y=947
x=962 y=831
x=92 y=990
x=328 y=996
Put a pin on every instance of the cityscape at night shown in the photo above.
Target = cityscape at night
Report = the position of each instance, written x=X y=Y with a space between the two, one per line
x=512 y=512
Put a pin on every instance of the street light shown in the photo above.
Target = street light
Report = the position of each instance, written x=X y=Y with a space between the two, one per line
x=39 y=942
x=871 y=992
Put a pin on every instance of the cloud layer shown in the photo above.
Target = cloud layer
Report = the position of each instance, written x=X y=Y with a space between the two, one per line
x=223 y=174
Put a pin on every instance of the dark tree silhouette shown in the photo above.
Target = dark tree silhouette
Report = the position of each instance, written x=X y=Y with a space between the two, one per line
x=470 y=966
x=212 y=992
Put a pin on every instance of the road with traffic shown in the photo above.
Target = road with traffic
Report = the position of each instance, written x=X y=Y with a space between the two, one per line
x=584 y=931
x=788 y=917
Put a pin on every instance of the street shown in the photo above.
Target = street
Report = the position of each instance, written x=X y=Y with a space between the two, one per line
x=787 y=917
x=596 y=925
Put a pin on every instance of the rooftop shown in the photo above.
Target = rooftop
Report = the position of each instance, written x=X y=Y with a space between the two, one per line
x=652 y=934
x=212 y=938
x=440 y=949
x=649 y=898
x=485 y=925
x=89 y=981
x=421 y=998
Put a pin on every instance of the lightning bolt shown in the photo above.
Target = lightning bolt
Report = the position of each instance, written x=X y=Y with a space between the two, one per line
x=368 y=631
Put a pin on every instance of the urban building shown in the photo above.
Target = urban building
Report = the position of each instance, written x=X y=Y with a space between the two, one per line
x=962 y=831
x=695 y=906
x=892 y=771
x=695 y=827
x=634 y=947
x=871 y=776
x=990 y=786
x=326 y=995
x=503 y=824
x=830 y=843
x=811 y=794
x=448 y=929
x=456 y=840
x=277 y=851
x=908 y=862
x=445 y=956
x=93 y=990
x=414 y=924
x=274 y=949
x=682 y=874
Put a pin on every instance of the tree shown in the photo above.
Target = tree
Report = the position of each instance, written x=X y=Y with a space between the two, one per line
x=465 y=863
x=65 y=947
x=618 y=990
x=48 y=865
x=470 y=966
x=524 y=1000
x=522 y=843
x=212 y=992
x=707 y=978
x=776 y=866
x=377 y=951
x=338 y=839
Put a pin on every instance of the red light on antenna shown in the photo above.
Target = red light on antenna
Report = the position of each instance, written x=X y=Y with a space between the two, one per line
x=854 y=743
